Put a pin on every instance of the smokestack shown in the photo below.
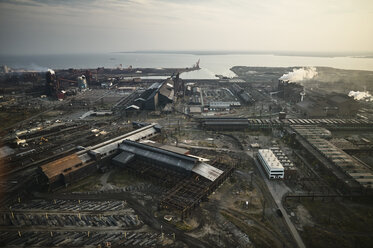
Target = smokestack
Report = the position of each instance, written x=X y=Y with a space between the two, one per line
x=302 y=94
x=51 y=82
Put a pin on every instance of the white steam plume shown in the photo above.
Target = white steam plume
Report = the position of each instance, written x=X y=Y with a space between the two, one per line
x=35 y=67
x=298 y=75
x=361 y=95
x=51 y=71
x=29 y=68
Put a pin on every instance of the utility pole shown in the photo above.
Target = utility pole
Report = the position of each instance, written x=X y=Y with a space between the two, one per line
x=329 y=213
x=251 y=180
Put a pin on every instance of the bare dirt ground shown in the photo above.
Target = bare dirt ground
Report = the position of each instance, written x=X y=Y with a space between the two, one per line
x=325 y=223
x=304 y=217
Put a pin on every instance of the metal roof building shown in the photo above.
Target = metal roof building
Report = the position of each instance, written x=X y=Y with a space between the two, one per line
x=73 y=167
x=168 y=157
x=108 y=147
x=224 y=123
x=271 y=164
x=207 y=171
x=54 y=169
x=154 y=155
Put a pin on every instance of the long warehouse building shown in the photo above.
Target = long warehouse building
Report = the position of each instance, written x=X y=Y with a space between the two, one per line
x=68 y=169
x=186 y=164
x=271 y=164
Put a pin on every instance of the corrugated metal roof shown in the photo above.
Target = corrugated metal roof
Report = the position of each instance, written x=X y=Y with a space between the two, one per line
x=361 y=175
x=159 y=156
x=145 y=133
x=175 y=149
x=106 y=149
x=155 y=86
x=85 y=157
x=270 y=158
x=60 y=166
x=217 y=123
x=121 y=138
x=169 y=93
x=207 y=171
x=123 y=158
x=165 y=147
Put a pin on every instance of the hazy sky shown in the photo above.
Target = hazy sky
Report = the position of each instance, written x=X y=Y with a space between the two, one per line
x=70 y=26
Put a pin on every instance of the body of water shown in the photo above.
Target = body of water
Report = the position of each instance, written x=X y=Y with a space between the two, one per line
x=210 y=64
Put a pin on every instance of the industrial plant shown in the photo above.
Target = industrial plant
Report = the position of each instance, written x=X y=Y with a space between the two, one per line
x=143 y=157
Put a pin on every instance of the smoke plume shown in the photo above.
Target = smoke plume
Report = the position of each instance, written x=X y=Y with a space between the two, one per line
x=361 y=96
x=35 y=67
x=51 y=71
x=298 y=75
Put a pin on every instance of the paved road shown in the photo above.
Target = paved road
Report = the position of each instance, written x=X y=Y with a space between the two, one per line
x=103 y=181
x=278 y=189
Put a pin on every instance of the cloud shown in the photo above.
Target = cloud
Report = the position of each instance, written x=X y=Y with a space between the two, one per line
x=39 y=3
x=120 y=25
x=20 y=2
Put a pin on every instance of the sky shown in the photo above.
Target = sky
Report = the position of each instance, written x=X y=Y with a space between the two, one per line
x=101 y=26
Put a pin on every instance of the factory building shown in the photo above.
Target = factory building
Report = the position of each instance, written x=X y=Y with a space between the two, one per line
x=219 y=106
x=290 y=91
x=155 y=97
x=244 y=96
x=165 y=158
x=150 y=98
x=189 y=178
x=312 y=131
x=335 y=105
x=65 y=170
x=234 y=123
x=223 y=106
x=170 y=148
x=290 y=171
x=224 y=123
x=166 y=92
x=179 y=87
x=347 y=164
x=195 y=109
x=271 y=164
x=71 y=168
x=51 y=85
x=130 y=151
x=346 y=168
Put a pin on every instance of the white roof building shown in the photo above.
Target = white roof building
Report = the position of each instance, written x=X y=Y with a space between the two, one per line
x=271 y=164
